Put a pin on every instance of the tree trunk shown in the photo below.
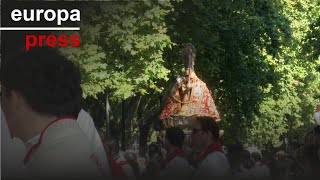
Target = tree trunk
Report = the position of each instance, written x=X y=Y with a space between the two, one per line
x=143 y=132
x=146 y=119
x=123 y=125
x=143 y=140
x=133 y=108
x=108 y=134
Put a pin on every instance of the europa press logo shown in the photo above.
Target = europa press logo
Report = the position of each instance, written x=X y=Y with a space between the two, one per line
x=49 y=15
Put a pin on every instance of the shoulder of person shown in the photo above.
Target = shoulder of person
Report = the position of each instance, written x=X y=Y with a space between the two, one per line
x=84 y=115
x=216 y=156
x=179 y=161
x=215 y=160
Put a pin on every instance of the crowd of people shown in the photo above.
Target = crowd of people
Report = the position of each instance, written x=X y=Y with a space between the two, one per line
x=208 y=159
x=44 y=120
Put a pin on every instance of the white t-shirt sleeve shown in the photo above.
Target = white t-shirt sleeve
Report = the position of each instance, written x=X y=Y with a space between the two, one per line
x=86 y=123
x=12 y=153
x=215 y=165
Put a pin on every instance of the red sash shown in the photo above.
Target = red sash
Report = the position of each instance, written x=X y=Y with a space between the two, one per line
x=35 y=146
x=176 y=153
x=215 y=146
x=117 y=171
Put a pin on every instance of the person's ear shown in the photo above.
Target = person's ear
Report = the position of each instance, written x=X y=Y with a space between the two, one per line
x=210 y=135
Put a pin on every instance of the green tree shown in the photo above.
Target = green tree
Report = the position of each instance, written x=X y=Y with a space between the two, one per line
x=121 y=52
x=250 y=55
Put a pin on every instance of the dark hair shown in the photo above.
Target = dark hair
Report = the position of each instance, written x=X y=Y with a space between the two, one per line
x=154 y=148
x=175 y=136
x=256 y=156
x=317 y=129
x=311 y=154
x=247 y=162
x=208 y=124
x=113 y=141
x=188 y=55
x=48 y=81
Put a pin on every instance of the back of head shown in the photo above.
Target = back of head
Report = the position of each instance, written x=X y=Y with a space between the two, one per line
x=48 y=82
x=311 y=154
x=209 y=124
x=175 y=136
x=188 y=55
x=312 y=136
x=256 y=156
x=154 y=149
x=234 y=156
x=247 y=162
x=130 y=156
x=317 y=130
x=111 y=145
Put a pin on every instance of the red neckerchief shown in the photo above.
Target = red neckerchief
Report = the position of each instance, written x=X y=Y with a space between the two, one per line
x=176 y=153
x=117 y=171
x=215 y=146
x=33 y=147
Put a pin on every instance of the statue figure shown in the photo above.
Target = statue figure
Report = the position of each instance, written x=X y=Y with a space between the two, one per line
x=189 y=97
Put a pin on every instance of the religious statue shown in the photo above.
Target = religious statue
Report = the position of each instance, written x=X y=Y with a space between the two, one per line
x=189 y=97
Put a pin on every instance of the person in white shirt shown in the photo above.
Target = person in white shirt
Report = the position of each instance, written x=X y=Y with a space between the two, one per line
x=210 y=162
x=12 y=152
x=175 y=165
x=13 y=149
x=41 y=100
x=125 y=171
x=86 y=123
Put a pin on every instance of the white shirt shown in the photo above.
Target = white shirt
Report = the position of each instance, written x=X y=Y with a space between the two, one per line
x=13 y=150
x=86 y=123
x=214 y=166
x=177 y=168
x=12 y=153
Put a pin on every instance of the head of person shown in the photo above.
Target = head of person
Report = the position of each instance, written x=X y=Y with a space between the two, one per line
x=174 y=138
x=111 y=146
x=132 y=159
x=256 y=156
x=247 y=161
x=311 y=155
x=204 y=132
x=39 y=83
x=188 y=56
x=154 y=151
x=234 y=155
x=312 y=136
